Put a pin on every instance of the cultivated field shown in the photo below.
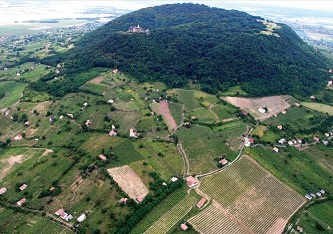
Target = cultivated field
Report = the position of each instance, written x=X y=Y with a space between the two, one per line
x=299 y=169
x=188 y=99
x=319 y=107
x=257 y=199
x=274 y=105
x=129 y=181
x=16 y=223
x=172 y=217
x=203 y=146
x=13 y=91
x=215 y=220
x=176 y=111
x=164 y=110
x=158 y=211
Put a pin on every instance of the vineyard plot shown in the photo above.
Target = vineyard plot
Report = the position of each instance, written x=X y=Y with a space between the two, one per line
x=252 y=195
x=213 y=220
x=172 y=217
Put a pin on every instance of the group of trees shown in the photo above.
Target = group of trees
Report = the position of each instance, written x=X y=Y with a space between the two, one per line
x=214 y=47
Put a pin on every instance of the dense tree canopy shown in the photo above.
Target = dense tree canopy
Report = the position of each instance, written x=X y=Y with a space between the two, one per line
x=215 y=47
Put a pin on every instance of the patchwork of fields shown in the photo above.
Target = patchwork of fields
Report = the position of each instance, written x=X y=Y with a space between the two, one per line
x=249 y=193
x=60 y=152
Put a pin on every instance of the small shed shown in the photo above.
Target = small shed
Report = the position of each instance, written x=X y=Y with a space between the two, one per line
x=183 y=227
x=201 y=202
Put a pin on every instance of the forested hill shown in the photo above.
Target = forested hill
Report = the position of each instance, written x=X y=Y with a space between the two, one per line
x=217 y=48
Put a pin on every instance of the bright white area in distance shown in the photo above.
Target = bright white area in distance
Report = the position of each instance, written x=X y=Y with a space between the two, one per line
x=310 y=12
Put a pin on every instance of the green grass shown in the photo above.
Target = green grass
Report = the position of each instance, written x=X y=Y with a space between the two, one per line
x=295 y=168
x=123 y=148
x=224 y=111
x=94 y=88
x=310 y=222
x=203 y=115
x=13 y=91
x=176 y=111
x=162 y=156
x=323 y=211
x=14 y=222
x=234 y=91
x=205 y=99
x=159 y=210
x=270 y=136
x=188 y=99
x=319 y=107
x=30 y=95
x=203 y=146
x=27 y=75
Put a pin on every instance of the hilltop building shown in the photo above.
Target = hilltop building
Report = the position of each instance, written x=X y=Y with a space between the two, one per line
x=138 y=29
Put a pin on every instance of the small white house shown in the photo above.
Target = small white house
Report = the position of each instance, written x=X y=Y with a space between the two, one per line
x=81 y=218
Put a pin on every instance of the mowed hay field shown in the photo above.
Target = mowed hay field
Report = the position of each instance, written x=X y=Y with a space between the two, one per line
x=257 y=199
x=274 y=105
x=319 y=107
x=12 y=90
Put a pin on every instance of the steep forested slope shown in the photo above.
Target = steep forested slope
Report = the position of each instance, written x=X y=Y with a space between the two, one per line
x=215 y=47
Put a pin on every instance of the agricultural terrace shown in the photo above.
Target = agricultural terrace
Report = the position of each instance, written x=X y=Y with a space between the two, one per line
x=159 y=210
x=172 y=217
x=303 y=170
x=274 y=105
x=10 y=92
x=319 y=107
x=249 y=193
x=129 y=182
x=203 y=147
x=215 y=220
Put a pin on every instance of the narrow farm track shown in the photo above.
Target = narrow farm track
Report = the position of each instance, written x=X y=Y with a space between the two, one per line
x=185 y=159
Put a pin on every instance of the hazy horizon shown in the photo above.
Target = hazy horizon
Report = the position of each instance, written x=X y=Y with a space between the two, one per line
x=20 y=10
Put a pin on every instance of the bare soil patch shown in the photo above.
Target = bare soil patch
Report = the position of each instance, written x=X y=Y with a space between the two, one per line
x=10 y=162
x=129 y=181
x=274 y=104
x=41 y=106
x=97 y=80
x=76 y=183
x=278 y=227
x=47 y=151
x=164 y=109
